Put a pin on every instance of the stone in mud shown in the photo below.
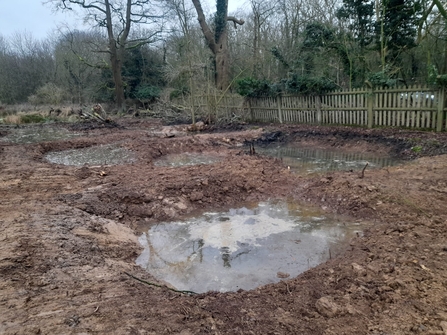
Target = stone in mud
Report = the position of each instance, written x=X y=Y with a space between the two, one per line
x=359 y=270
x=196 y=196
x=443 y=325
x=327 y=307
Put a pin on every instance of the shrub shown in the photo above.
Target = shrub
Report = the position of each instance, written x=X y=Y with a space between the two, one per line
x=32 y=118
x=176 y=93
x=295 y=84
x=250 y=87
x=384 y=78
x=308 y=85
x=48 y=94
x=147 y=92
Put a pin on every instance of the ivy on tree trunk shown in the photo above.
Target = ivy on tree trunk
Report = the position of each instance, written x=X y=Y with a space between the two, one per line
x=218 y=41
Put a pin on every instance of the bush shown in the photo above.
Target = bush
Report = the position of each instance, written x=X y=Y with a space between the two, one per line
x=178 y=93
x=308 y=85
x=147 y=92
x=436 y=79
x=250 y=87
x=384 y=78
x=32 y=118
x=295 y=84
x=48 y=94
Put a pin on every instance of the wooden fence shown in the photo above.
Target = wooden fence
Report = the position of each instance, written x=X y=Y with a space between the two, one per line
x=414 y=107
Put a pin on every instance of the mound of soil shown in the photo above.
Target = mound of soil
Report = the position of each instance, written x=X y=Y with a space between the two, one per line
x=69 y=234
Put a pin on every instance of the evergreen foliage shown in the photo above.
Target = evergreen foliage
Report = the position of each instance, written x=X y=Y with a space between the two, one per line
x=220 y=18
x=295 y=84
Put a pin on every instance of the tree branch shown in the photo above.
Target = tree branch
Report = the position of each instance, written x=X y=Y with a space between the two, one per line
x=209 y=36
x=235 y=21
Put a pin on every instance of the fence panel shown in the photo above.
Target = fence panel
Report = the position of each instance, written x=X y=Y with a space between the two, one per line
x=411 y=107
x=414 y=107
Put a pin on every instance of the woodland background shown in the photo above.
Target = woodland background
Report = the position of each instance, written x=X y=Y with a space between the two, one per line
x=141 y=51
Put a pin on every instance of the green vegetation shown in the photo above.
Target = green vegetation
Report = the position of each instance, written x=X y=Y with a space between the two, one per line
x=32 y=118
x=278 y=47
x=416 y=149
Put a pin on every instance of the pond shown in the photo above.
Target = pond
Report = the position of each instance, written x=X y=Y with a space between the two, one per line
x=186 y=159
x=309 y=160
x=242 y=248
x=29 y=135
x=98 y=155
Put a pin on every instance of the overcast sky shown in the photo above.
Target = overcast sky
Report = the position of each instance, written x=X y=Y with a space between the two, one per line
x=40 y=20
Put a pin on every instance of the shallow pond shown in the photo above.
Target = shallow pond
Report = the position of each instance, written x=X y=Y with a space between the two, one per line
x=308 y=160
x=242 y=248
x=186 y=159
x=28 y=135
x=97 y=155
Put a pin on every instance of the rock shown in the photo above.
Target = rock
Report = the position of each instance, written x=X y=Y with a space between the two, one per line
x=442 y=316
x=358 y=269
x=327 y=307
x=443 y=325
x=197 y=126
x=373 y=268
x=352 y=310
x=282 y=275
x=196 y=196
x=181 y=205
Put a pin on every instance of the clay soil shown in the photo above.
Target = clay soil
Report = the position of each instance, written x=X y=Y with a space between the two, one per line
x=68 y=239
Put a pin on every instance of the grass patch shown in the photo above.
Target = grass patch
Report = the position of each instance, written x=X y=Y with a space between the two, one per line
x=32 y=118
x=23 y=118
x=416 y=149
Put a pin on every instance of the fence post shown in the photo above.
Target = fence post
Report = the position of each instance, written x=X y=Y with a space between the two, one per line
x=318 y=107
x=370 y=100
x=278 y=100
x=440 y=116
x=250 y=111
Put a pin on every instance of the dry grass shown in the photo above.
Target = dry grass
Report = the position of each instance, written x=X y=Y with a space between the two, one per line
x=27 y=113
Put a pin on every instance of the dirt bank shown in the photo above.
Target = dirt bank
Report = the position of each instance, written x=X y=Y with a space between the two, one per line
x=69 y=234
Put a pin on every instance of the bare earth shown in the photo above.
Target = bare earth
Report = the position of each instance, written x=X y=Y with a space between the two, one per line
x=69 y=235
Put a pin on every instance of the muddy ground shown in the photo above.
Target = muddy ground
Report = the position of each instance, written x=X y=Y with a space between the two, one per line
x=68 y=238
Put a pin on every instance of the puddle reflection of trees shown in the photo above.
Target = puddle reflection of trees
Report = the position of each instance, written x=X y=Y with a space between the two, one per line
x=195 y=251
x=244 y=247
x=325 y=160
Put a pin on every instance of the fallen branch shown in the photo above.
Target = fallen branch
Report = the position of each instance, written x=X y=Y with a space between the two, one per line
x=158 y=285
x=363 y=171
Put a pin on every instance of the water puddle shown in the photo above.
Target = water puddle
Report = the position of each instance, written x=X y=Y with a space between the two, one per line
x=97 y=155
x=242 y=248
x=309 y=160
x=186 y=159
x=36 y=135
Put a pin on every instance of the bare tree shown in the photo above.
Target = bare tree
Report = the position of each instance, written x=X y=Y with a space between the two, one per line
x=25 y=65
x=218 y=40
x=117 y=17
x=261 y=11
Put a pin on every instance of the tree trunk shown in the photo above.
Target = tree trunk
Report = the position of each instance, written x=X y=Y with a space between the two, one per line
x=222 y=76
x=218 y=42
x=115 y=60
x=116 y=64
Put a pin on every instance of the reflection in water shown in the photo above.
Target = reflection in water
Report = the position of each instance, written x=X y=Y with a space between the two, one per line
x=243 y=248
x=97 y=155
x=319 y=160
x=36 y=135
x=186 y=159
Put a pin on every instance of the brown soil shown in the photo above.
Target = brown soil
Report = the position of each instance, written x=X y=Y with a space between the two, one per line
x=69 y=235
